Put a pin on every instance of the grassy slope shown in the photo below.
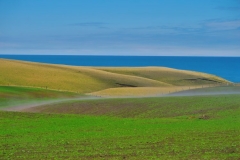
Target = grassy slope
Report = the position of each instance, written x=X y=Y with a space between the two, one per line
x=41 y=75
x=169 y=75
x=11 y=95
x=210 y=89
x=78 y=79
x=156 y=128
x=89 y=79
x=142 y=91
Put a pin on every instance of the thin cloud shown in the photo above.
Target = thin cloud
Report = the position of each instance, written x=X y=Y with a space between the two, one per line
x=90 y=24
x=204 y=27
x=142 y=40
x=8 y=45
x=228 y=8
x=223 y=25
x=166 y=29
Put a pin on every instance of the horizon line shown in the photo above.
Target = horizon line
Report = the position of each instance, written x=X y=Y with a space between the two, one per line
x=114 y=55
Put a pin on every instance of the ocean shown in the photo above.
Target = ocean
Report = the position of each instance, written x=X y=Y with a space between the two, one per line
x=225 y=67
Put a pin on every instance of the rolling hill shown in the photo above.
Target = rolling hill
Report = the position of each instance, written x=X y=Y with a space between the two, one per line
x=92 y=79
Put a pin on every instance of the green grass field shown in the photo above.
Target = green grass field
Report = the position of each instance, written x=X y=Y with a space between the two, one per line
x=199 y=127
x=162 y=107
x=175 y=127
x=47 y=136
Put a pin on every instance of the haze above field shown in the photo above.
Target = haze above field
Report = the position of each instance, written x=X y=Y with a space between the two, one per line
x=157 y=27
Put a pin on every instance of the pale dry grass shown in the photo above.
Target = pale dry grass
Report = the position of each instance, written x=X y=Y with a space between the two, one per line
x=114 y=78
x=69 y=78
x=142 y=91
x=169 y=75
x=51 y=76
x=92 y=79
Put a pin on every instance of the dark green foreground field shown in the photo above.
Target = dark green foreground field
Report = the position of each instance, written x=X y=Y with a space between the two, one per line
x=197 y=127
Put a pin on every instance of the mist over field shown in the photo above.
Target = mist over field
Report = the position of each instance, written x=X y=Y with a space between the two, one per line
x=224 y=90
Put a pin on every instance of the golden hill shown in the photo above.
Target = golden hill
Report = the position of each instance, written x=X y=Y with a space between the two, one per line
x=141 y=91
x=169 y=75
x=93 y=79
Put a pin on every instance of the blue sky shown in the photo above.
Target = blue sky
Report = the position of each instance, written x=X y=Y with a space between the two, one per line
x=121 y=27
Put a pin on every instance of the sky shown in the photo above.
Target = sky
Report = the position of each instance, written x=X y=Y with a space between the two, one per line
x=120 y=27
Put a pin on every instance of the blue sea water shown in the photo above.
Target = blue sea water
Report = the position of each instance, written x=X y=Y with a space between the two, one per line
x=226 y=67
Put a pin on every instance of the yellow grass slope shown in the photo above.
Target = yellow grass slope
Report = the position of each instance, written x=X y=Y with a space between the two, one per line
x=54 y=77
x=93 y=79
x=120 y=80
x=141 y=91
x=169 y=75
x=60 y=77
